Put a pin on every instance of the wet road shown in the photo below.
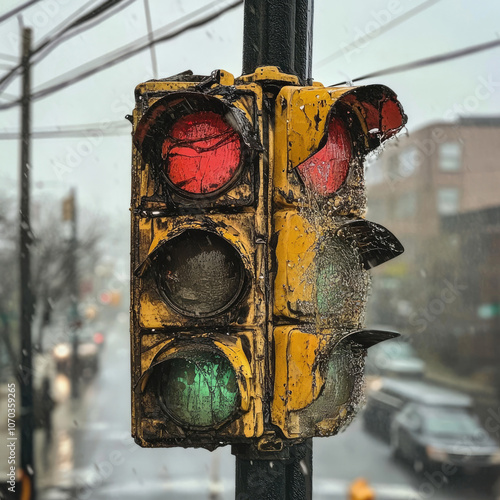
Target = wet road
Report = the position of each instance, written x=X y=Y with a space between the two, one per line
x=93 y=456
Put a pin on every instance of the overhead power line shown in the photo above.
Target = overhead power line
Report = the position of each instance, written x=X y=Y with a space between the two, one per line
x=168 y=32
x=374 y=34
x=99 y=14
x=8 y=57
x=428 y=61
x=86 y=21
x=16 y=10
x=87 y=130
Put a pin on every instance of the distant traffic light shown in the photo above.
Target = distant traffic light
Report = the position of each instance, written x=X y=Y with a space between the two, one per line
x=250 y=256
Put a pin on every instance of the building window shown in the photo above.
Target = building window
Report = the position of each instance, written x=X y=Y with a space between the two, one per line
x=406 y=206
x=448 y=201
x=450 y=156
x=409 y=160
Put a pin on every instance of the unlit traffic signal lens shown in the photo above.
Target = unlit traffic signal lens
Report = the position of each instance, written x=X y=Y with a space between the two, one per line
x=326 y=170
x=202 y=153
x=200 y=273
x=340 y=284
x=199 y=390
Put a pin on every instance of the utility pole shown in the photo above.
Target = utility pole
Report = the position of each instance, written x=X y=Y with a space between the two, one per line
x=277 y=33
x=25 y=373
x=69 y=216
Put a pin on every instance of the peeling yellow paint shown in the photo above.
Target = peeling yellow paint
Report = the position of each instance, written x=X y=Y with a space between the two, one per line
x=295 y=252
x=316 y=379
x=158 y=331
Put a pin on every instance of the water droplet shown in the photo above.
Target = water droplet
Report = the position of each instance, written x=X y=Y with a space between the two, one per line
x=303 y=468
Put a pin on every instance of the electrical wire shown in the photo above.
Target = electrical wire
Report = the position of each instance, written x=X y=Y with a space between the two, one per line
x=381 y=30
x=87 y=21
x=102 y=12
x=69 y=131
x=8 y=57
x=61 y=28
x=117 y=56
x=9 y=97
x=16 y=10
x=163 y=34
x=428 y=61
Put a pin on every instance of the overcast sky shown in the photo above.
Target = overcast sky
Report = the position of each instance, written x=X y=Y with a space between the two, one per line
x=102 y=172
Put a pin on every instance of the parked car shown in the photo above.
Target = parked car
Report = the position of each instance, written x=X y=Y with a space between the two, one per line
x=394 y=358
x=392 y=395
x=429 y=436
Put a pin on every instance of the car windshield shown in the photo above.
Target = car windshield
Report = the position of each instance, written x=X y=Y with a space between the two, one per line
x=450 y=423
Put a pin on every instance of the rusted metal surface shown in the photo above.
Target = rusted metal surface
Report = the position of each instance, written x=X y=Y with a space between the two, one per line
x=265 y=267
x=323 y=250
x=162 y=216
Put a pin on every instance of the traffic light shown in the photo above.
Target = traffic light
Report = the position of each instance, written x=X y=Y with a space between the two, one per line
x=198 y=315
x=323 y=250
x=250 y=256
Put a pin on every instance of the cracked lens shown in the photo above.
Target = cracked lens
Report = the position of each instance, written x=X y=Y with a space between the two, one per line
x=202 y=153
x=325 y=171
x=200 y=391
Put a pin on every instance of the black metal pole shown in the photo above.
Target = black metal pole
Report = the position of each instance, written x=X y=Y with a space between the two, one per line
x=25 y=372
x=286 y=475
x=279 y=33
x=276 y=33
x=304 y=14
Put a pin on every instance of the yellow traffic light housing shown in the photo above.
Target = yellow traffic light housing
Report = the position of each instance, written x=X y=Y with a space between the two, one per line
x=250 y=256
x=198 y=301
x=323 y=250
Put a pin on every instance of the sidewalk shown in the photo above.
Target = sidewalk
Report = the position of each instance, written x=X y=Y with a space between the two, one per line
x=55 y=455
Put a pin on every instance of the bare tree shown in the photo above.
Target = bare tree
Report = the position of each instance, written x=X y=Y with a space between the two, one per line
x=50 y=266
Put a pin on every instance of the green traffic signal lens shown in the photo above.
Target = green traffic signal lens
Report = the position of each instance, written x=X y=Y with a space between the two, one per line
x=200 y=274
x=341 y=283
x=199 y=390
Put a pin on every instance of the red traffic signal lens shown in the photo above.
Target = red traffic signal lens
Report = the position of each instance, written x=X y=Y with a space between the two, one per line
x=199 y=273
x=202 y=153
x=326 y=170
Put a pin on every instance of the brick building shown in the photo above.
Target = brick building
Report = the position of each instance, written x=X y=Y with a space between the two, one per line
x=438 y=191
